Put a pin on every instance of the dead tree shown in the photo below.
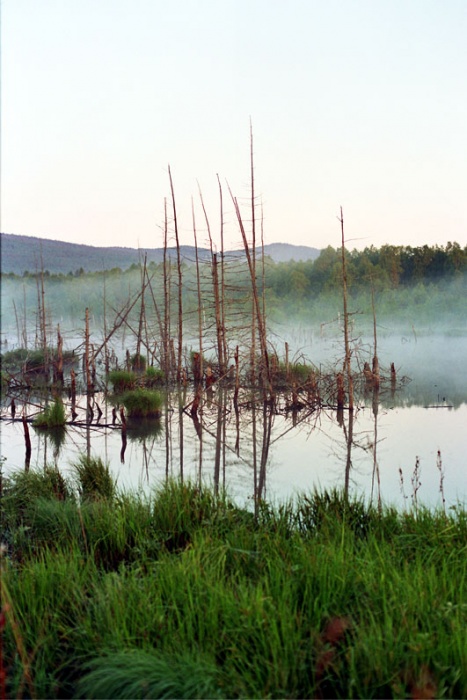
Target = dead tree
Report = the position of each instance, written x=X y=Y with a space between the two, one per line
x=347 y=367
x=179 y=270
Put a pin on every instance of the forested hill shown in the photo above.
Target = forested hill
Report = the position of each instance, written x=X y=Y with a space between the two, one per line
x=28 y=253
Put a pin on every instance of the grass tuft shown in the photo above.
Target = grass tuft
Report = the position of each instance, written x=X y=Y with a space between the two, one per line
x=142 y=403
x=94 y=479
x=140 y=674
x=122 y=380
x=53 y=416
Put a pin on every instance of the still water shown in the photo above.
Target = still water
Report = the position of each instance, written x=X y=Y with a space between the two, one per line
x=407 y=447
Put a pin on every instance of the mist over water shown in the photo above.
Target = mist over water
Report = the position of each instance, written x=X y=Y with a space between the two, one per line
x=423 y=422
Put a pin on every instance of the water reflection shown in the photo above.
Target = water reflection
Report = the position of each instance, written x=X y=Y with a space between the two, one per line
x=258 y=450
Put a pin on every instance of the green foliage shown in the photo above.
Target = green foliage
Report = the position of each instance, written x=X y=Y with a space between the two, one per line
x=122 y=380
x=95 y=480
x=142 y=403
x=22 y=494
x=53 y=416
x=23 y=360
x=153 y=377
x=299 y=373
x=138 y=363
x=142 y=674
x=186 y=595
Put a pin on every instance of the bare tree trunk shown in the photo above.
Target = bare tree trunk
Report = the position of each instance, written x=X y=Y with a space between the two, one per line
x=347 y=367
x=222 y=292
x=166 y=338
x=217 y=302
x=348 y=464
x=24 y=330
x=179 y=269
x=106 y=349
x=18 y=332
x=73 y=394
x=27 y=441
x=376 y=376
x=142 y=318
x=200 y=369
x=87 y=364
x=59 y=376
x=218 y=316
x=237 y=381
x=253 y=260
x=259 y=318
x=43 y=321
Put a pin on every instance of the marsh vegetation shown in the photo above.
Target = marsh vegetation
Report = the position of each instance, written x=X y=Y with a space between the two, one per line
x=184 y=594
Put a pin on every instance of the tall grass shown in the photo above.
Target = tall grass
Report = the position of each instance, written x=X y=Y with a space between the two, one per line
x=186 y=595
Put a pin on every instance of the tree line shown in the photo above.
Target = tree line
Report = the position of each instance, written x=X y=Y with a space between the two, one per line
x=429 y=279
x=386 y=268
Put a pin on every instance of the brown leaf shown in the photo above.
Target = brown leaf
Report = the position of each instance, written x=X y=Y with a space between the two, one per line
x=335 y=630
x=425 y=688
x=323 y=662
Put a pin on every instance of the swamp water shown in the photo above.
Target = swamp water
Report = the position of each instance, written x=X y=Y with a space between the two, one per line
x=406 y=447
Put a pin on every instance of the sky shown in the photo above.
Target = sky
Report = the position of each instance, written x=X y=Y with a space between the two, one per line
x=353 y=103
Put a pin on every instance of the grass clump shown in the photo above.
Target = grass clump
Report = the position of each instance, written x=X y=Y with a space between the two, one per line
x=153 y=377
x=142 y=403
x=122 y=380
x=53 y=416
x=183 y=594
x=138 y=362
x=142 y=674
x=297 y=373
x=94 y=479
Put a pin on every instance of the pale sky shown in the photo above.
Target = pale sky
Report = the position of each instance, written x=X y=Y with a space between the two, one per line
x=359 y=103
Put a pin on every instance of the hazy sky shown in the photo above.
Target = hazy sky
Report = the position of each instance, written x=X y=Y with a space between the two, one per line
x=359 y=103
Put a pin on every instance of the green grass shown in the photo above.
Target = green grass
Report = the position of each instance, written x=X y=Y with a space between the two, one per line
x=142 y=403
x=183 y=594
x=138 y=363
x=94 y=478
x=153 y=377
x=122 y=380
x=299 y=373
x=53 y=416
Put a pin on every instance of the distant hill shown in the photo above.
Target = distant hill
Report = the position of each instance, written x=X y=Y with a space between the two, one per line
x=21 y=253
